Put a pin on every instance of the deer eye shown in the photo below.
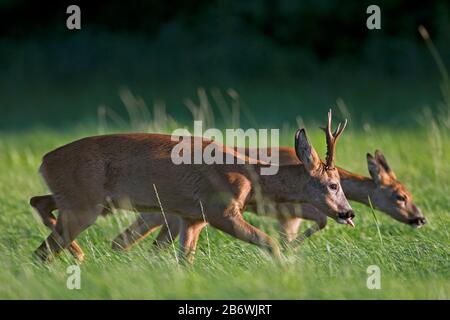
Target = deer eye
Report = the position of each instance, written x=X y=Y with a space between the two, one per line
x=400 y=198
x=333 y=186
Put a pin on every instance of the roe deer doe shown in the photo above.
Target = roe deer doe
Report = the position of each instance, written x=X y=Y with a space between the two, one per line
x=90 y=176
x=385 y=191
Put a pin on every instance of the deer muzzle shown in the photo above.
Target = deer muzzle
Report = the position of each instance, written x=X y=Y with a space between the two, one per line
x=417 y=222
x=346 y=218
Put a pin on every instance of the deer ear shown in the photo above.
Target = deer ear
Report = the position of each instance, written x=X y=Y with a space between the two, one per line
x=305 y=151
x=376 y=170
x=383 y=162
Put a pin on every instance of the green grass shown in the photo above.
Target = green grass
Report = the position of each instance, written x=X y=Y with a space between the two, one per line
x=331 y=264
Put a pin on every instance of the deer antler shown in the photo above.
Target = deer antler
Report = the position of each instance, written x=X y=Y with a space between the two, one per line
x=331 y=140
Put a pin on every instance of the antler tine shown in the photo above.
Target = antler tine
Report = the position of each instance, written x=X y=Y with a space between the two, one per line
x=329 y=139
x=340 y=129
x=337 y=130
x=327 y=129
x=330 y=116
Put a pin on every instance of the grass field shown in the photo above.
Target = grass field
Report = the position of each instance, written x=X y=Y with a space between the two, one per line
x=414 y=263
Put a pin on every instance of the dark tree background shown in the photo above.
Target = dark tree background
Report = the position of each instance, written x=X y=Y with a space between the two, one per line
x=171 y=47
x=326 y=27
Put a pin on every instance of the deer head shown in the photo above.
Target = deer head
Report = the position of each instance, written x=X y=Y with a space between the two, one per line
x=390 y=195
x=324 y=189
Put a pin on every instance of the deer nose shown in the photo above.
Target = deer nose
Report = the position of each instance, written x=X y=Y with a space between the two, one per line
x=420 y=221
x=350 y=214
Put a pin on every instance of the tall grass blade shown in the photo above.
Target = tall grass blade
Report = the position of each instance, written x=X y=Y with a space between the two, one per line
x=376 y=222
x=167 y=224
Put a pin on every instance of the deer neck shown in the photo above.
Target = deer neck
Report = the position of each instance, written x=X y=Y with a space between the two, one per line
x=279 y=187
x=356 y=187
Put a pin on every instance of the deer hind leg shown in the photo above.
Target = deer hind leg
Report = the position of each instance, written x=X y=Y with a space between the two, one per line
x=146 y=223
x=44 y=206
x=189 y=234
x=69 y=224
x=168 y=232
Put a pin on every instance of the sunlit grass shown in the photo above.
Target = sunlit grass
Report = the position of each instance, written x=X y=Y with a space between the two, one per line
x=331 y=264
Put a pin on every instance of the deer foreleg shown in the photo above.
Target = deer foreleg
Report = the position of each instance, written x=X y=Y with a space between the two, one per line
x=311 y=213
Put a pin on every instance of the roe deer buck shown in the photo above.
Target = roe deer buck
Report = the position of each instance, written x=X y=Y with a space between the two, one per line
x=90 y=176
